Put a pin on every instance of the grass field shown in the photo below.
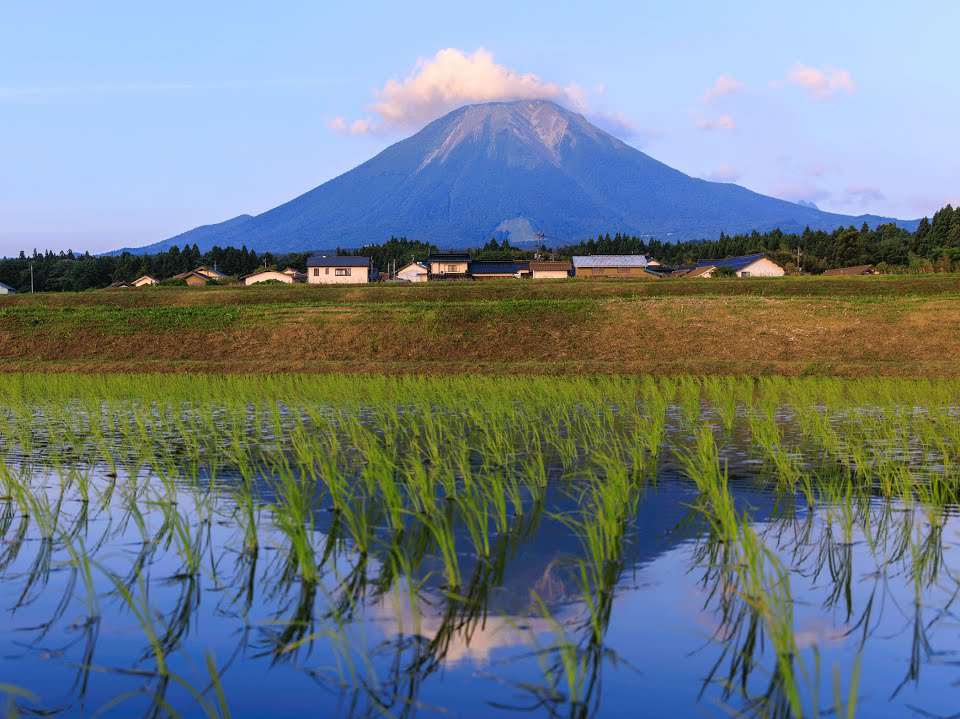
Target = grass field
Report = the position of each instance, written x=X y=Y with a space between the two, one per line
x=845 y=326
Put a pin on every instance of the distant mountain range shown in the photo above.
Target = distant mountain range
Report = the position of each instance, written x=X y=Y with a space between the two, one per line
x=510 y=169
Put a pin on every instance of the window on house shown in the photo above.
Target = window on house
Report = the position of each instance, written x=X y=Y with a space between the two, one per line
x=326 y=270
x=342 y=272
x=597 y=270
x=316 y=271
x=623 y=270
x=744 y=274
x=450 y=268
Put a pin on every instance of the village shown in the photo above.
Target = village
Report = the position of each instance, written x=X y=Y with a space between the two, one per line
x=460 y=266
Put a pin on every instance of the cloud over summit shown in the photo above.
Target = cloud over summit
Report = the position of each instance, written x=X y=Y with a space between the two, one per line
x=453 y=78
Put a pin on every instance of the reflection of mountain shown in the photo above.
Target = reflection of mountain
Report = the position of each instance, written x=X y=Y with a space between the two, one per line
x=538 y=559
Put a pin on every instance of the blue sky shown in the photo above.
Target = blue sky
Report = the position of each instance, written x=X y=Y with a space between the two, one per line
x=124 y=123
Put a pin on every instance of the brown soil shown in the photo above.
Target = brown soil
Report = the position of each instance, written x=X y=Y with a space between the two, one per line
x=875 y=326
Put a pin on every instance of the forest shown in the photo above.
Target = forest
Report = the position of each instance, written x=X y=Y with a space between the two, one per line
x=934 y=247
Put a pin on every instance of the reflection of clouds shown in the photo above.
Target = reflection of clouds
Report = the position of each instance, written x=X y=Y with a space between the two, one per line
x=809 y=632
x=819 y=632
x=473 y=642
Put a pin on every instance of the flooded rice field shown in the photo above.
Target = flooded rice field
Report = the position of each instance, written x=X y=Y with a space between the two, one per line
x=475 y=547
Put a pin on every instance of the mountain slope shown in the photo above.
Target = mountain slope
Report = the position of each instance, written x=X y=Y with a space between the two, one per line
x=509 y=169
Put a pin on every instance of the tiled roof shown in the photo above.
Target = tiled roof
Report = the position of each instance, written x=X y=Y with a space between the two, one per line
x=610 y=261
x=856 y=270
x=449 y=257
x=338 y=261
x=7 y=287
x=737 y=263
x=485 y=267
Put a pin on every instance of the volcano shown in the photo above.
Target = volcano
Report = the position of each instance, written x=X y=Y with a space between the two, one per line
x=509 y=170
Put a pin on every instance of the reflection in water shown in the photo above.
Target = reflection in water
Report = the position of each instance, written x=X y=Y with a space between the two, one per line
x=725 y=546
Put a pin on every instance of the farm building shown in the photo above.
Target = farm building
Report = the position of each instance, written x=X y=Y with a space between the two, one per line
x=287 y=276
x=209 y=273
x=339 y=269
x=625 y=266
x=545 y=270
x=6 y=289
x=145 y=281
x=192 y=278
x=856 y=270
x=756 y=265
x=119 y=285
x=414 y=272
x=449 y=265
x=492 y=270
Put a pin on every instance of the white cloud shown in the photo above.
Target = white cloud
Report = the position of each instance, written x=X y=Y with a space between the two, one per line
x=453 y=78
x=821 y=83
x=862 y=194
x=724 y=122
x=724 y=173
x=337 y=124
x=724 y=85
x=819 y=169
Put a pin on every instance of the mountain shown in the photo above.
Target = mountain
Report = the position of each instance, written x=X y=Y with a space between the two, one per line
x=509 y=169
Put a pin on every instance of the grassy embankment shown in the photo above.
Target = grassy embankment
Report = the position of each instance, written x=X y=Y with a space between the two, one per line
x=844 y=326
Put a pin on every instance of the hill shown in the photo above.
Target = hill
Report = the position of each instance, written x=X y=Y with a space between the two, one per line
x=508 y=169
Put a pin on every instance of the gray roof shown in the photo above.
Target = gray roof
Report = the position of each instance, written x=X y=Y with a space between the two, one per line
x=737 y=263
x=7 y=287
x=338 y=261
x=609 y=261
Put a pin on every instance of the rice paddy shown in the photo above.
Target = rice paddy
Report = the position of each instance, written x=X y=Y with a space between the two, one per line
x=327 y=545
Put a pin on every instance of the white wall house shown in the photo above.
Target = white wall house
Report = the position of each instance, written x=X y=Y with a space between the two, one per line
x=414 y=272
x=6 y=289
x=756 y=265
x=339 y=270
x=287 y=276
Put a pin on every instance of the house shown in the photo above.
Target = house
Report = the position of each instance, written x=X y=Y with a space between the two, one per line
x=146 y=281
x=6 y=289
x=200 y=276
x=119 y=285
x=699 y=272
x=287 y=276
x=756 y=265
x=856 y=270
x=499 y=269
x=414 y=272
x=339 y=269
x=192 y=278
x=449 y=266
x=210 y=273
x=546 y=270
x=626 y=266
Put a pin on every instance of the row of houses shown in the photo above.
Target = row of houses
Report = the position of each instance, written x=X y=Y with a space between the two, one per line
x=445 y=266
x=348 y=269
x=458 y=266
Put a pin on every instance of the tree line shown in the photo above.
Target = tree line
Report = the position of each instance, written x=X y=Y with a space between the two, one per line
x=933 y=247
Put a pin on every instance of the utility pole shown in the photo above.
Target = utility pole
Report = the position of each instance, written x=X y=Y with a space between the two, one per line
x=799 y=264
x=31 y=278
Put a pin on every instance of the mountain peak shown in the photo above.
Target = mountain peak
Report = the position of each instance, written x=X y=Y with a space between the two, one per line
x=541 y=126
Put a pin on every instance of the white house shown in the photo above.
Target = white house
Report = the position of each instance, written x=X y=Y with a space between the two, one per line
x=146 y=281
x=6 y=289
x=414 y=272
x=287 y=276
x=756 y=265
x=341 y=269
